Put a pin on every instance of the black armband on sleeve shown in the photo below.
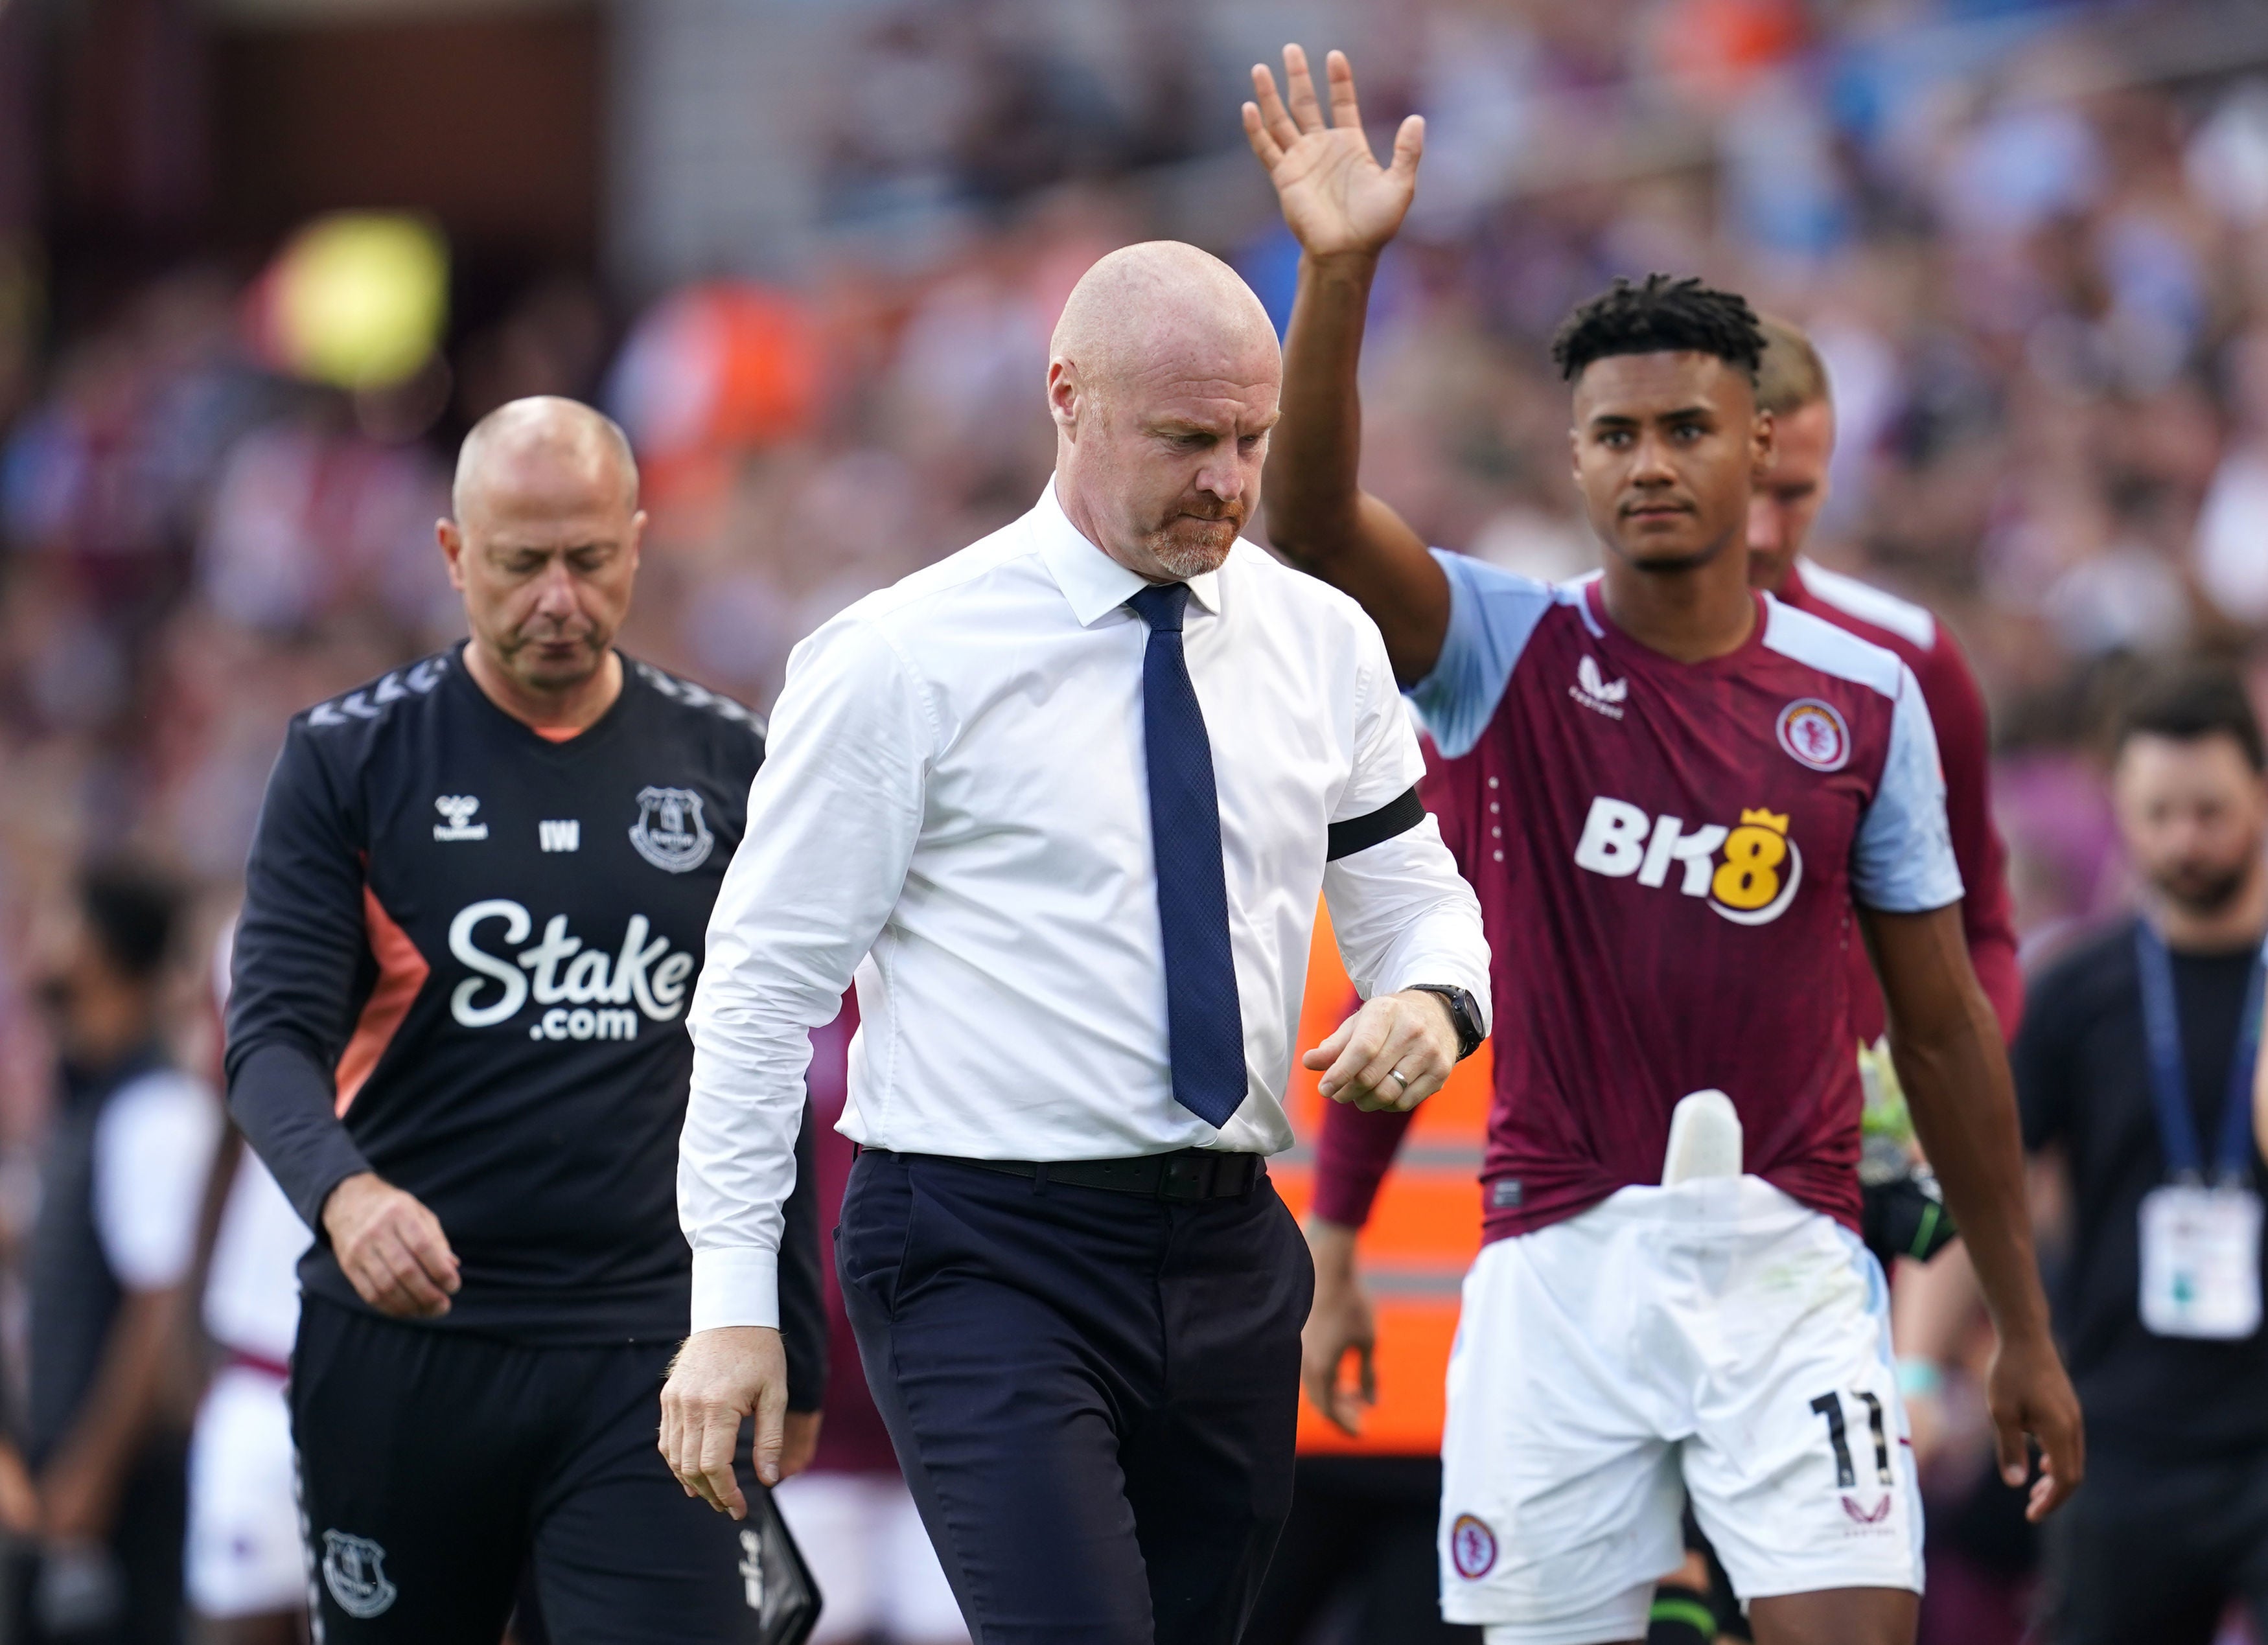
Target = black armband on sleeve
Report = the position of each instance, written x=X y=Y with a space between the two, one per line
x=1359 y=833
x=802 y=1299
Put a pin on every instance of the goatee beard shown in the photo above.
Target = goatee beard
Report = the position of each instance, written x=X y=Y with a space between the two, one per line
x=2207 y=896
x=1186 y=562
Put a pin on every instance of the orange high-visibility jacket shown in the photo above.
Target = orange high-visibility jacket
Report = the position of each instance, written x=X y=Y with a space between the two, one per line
x=1423 y=1233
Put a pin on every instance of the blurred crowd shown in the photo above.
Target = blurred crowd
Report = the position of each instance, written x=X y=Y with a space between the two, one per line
x=2031 y=243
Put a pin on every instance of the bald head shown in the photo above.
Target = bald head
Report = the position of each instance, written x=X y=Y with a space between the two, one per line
x=549 y=444
x=1161 y=307
x=1163 y=377
x=544 y=548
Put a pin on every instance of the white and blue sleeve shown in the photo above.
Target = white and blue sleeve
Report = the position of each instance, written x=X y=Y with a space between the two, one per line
x=1901 y=861
x=1492 y=615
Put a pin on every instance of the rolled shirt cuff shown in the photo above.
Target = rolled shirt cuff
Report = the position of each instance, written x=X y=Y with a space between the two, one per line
x=735 y=1285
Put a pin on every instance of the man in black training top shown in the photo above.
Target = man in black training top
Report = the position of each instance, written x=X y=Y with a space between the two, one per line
x=2135 y=1066
x=474 y=915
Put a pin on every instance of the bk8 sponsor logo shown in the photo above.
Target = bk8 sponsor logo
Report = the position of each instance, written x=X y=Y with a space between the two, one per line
x=1748 y=873
x=588 y=991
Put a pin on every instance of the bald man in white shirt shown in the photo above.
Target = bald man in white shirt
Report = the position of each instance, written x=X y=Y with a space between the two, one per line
x=1062 y=804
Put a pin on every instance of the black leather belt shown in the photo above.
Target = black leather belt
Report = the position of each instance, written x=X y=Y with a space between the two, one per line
x=1188 y=1173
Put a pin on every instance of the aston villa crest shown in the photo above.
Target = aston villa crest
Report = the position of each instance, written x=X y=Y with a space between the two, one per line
x=670 y=831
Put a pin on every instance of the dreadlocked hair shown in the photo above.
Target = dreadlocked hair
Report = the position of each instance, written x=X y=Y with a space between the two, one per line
x=1660 y=315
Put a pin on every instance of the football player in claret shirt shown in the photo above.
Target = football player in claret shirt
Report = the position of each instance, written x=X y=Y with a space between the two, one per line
x=1792 y=384
x=1679 y=800
x=474 y=915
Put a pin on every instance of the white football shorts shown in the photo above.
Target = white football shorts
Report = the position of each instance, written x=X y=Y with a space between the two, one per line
x=245 y=1555
x=1715 y=1340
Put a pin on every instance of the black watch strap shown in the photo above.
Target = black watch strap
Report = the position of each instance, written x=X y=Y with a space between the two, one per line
x=1464 y=1011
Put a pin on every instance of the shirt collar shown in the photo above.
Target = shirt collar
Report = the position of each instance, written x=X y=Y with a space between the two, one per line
x=1093 y=582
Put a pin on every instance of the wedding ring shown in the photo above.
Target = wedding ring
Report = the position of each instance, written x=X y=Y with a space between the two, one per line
x=1398 y=1074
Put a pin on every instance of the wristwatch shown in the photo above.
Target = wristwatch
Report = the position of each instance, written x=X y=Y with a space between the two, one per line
x=1464 y=1011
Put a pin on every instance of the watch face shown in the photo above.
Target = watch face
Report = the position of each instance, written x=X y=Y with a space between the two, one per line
x=1469 y=1028
x=1462 y=1014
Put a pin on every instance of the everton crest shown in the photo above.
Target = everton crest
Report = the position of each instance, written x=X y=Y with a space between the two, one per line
x=354 y=1570
x=670 y=831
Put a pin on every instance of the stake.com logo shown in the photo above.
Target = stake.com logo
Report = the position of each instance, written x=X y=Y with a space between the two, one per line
x=1752 y=885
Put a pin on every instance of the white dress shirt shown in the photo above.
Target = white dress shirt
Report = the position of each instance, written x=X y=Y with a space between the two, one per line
x=954 y=808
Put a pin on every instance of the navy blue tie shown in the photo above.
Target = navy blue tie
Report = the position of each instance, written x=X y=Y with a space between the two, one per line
x=1205 y=1025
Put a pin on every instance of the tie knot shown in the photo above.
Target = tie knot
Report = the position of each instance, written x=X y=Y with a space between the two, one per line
x=1160 y=605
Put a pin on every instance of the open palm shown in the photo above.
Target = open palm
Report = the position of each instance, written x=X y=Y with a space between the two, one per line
x=1335 y=195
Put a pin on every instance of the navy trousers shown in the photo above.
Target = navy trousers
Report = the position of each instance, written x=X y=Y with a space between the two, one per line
x=1092 y=1394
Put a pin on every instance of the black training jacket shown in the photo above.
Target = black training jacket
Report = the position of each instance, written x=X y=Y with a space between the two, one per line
x=464 y=962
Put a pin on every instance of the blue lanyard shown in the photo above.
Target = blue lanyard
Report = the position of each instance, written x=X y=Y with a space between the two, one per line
x=2170 y=1079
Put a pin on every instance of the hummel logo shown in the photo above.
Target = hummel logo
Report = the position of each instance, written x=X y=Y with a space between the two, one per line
x=459 y=809
x=560 y=836
x=1595 y=691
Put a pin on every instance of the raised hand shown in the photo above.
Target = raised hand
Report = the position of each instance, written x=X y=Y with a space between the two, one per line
x=1337 y=198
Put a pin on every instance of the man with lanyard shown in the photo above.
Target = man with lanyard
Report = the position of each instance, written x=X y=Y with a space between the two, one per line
x=2134 y=1065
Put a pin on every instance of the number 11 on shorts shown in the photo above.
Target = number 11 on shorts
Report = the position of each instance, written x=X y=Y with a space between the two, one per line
x=1830 y=1406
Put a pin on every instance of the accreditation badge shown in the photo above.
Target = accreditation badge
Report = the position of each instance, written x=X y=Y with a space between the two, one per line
x=2201 y=1261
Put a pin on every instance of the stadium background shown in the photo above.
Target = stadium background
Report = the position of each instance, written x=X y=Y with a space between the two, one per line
x=810 y=253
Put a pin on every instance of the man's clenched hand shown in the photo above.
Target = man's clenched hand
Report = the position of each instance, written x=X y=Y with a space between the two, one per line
x=719 y=1377
x=1394 y=1053
x=391 y=1247
x=1337 y=197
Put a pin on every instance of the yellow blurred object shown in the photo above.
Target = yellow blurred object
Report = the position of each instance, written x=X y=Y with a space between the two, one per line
x=357 y=299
